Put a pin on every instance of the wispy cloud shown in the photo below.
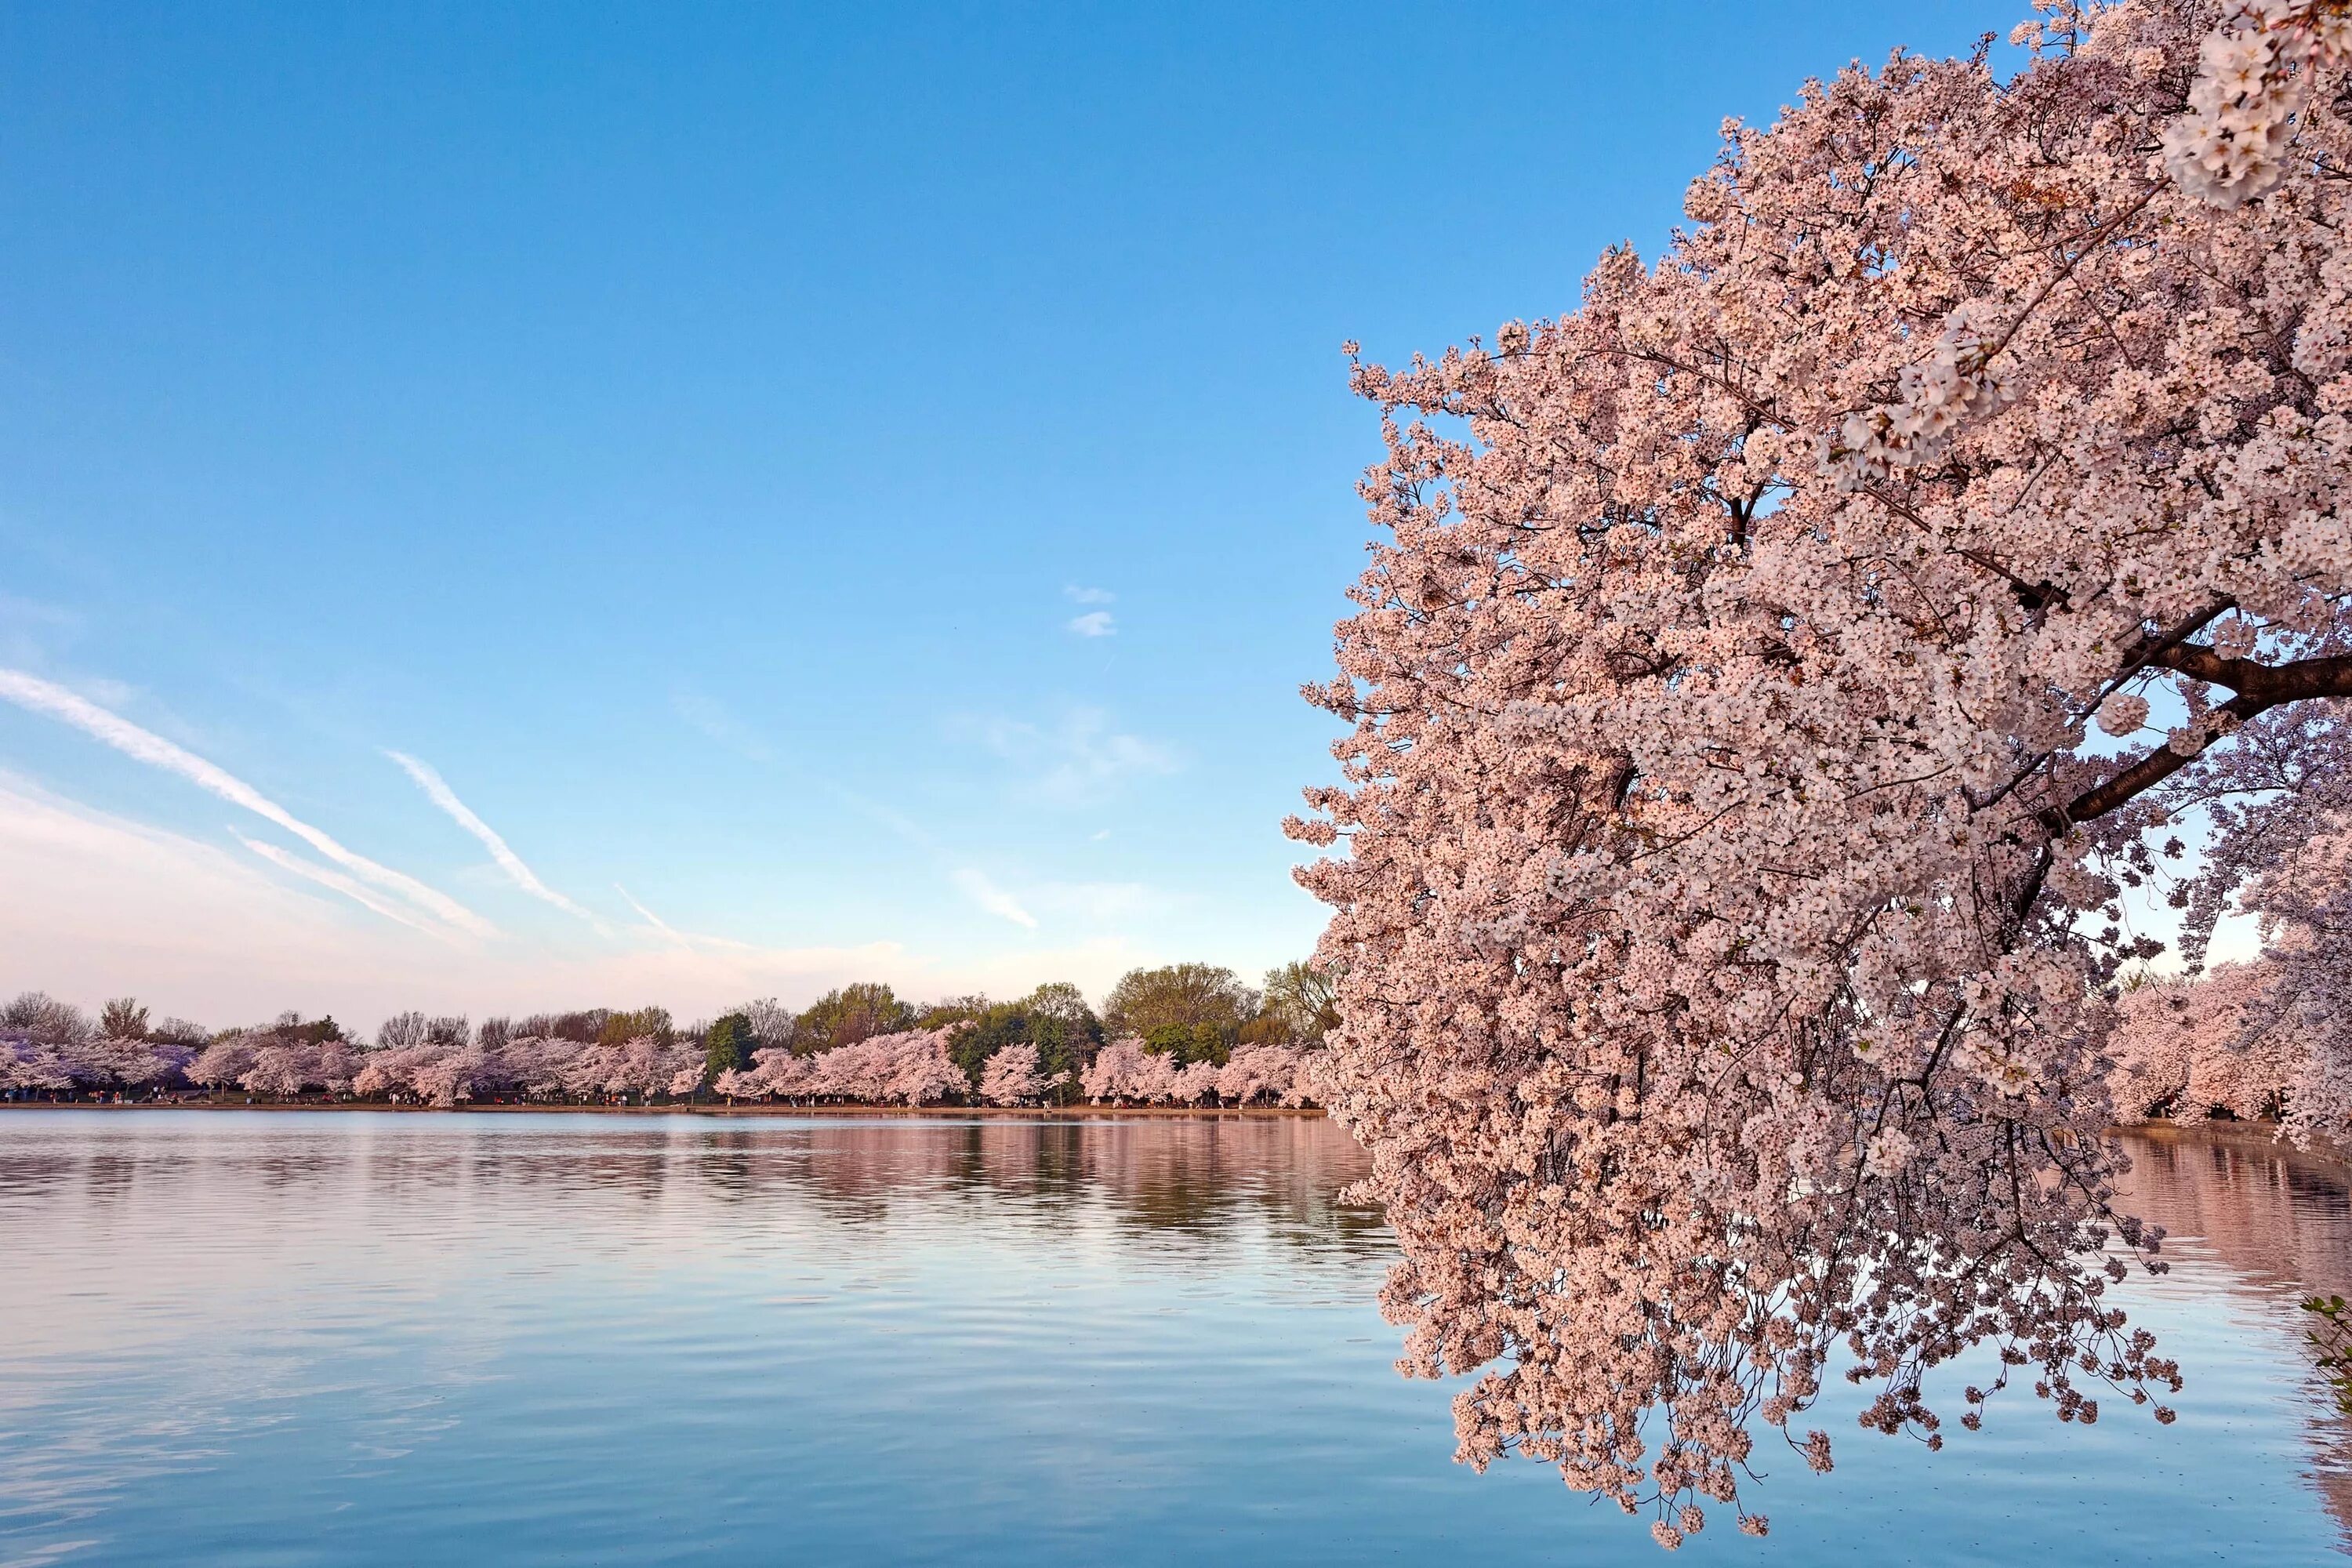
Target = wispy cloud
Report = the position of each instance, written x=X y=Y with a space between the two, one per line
x=1075 y=761
x=36 y=695
x=13 y=608
x=438 y=791
x=1098 y=903
x=650 y=918
x=969 y=880
x=98 y=905
x=721 y=726
x=711 y=716
x=310 y=870
x=691 y=940
x=24 y=622
x=1095 y=623
x=976 y=886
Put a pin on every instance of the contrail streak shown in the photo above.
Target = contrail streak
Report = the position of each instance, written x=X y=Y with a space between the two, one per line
x=286 y=861
x=652 y=919
x=976 y=886
x=38 y=696
x=438 y=791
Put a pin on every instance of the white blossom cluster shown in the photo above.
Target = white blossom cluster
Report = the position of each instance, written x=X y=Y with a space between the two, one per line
x=2255 y=74
x=1960 y=377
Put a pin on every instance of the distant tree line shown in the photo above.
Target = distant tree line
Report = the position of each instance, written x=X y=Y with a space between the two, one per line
x=1185 y=1033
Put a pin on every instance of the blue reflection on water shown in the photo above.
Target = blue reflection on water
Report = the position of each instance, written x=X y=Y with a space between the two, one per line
x=259 y=1338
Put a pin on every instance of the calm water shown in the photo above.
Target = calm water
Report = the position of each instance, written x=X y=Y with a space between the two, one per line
x=258 y=1338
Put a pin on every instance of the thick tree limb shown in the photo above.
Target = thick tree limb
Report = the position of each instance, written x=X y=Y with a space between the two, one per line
x=2270 y=683
x=2259 y=688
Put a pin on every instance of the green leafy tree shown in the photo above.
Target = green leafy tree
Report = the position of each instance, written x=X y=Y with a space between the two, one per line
x=1301 y=1002
x=952 y=1010
x=1065 y=1032
x=977 y=1039
x=852 y=1014
x=620 y=1028
x=1190 y=1043
x=1055 y=1018
x=1191 y=994
x=728 y=1047
x=2331 y=1344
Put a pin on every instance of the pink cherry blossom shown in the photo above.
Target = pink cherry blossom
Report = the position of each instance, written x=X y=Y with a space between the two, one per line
x=1732 y=898
x=2255 y=76
x=907 y=1067
x=1011 y=1077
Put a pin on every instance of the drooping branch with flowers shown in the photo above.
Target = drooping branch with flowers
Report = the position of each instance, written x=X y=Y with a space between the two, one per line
x=1749 y=766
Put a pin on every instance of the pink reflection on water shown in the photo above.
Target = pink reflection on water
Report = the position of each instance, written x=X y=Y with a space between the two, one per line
x=2278 y=1217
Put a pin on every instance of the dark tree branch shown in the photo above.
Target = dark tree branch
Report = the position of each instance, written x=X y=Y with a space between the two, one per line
x=2270 y=683
x=2259 y=687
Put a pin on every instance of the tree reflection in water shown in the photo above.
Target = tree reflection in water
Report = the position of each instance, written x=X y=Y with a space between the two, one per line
x=2277 y=1216
x=183 y=1289
x=1161 y=1179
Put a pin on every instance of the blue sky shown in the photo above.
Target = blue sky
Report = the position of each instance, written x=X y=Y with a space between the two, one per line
x=838 y=492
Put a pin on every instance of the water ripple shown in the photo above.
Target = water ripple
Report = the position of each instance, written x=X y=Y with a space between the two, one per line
x=358 y=1338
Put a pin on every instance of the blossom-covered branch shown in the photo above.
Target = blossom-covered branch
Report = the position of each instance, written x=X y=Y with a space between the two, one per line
x=1743 y=794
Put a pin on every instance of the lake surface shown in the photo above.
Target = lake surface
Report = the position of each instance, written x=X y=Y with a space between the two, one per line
x=287 y=1337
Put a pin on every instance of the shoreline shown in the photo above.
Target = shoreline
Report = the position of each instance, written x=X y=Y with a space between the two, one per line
x=2254 y=1137
x=888 y=1112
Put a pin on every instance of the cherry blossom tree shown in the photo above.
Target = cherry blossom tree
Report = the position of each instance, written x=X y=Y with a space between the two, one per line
x=2302 y=899
x=1127 y=1071
x=2272 y=1038
x=775 y=1070
x=339 y=1062
x=904 y=1067
x=1011 y=1077
x=27 y=1065
x=1122 y=1071
x=2186 y=1048
x=283 y=1070
x=105 y=1061
x=1193 y=1082
x=922 y=1071
x=1272 y=1074
x=444 y=1073
x=588 y=1069
x=1732 y=879
x=2254 y=80
x=225 y=1061
x=140 y=1064
x=638 y=1068
x=532 y=1066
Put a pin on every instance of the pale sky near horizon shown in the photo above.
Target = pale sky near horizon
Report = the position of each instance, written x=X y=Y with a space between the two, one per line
x=505 y=508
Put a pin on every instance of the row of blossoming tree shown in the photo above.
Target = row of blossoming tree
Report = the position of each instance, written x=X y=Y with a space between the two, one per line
x=1783 y=678
x=1197 y=1037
